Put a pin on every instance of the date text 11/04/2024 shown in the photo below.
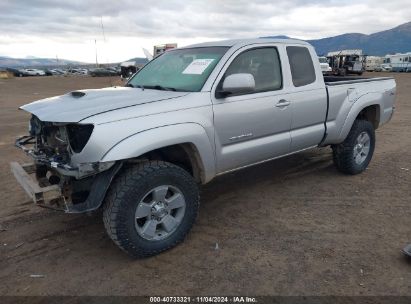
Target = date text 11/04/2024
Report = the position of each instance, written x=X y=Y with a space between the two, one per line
x=203 y=299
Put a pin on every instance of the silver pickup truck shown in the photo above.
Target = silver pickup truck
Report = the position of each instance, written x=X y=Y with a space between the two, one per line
x=191 y=114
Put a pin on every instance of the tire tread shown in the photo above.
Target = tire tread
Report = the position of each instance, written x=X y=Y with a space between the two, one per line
x=113 y=216
x=342 y=153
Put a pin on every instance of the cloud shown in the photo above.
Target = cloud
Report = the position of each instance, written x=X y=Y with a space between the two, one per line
x=45 y=27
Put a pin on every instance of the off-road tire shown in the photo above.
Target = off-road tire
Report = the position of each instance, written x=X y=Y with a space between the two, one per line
x=343 y=154
x=124 y=195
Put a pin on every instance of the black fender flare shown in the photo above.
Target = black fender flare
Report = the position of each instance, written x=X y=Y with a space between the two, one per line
x=98 y=191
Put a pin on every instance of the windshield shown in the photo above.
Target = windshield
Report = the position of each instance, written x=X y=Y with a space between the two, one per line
x=323 y=60
x=179 y=70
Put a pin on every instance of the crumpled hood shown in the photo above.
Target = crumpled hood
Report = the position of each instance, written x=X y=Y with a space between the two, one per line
x=78 y=105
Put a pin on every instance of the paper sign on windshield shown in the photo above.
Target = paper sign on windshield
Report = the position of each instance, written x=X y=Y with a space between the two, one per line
x=197 y=66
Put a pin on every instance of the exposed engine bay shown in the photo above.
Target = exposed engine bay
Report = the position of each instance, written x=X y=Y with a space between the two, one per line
x=51 y=145
x=55 y=142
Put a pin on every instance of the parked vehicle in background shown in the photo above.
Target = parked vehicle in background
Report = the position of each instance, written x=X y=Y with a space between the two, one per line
x=373 y=63
x=34 y=72
x=379 y=69
x=100 y=72
x=325 y=66
x=72 y=71
x=386 y=65
x=347 y=62
x=54 y=72
x=48 y=72
x=187 y=116
x=16 y=72
x=60 y=71
x=77 y=71
x=57 y=72
x=398 y=62
x=160 y=49
x=128 y=68
x=115 y=70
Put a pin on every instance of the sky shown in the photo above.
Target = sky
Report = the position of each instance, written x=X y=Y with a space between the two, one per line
x=72 y=29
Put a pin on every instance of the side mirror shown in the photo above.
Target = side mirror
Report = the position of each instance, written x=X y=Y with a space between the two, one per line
x=237 y=83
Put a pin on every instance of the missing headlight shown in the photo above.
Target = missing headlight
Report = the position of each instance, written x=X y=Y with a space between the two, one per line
x=79 y=136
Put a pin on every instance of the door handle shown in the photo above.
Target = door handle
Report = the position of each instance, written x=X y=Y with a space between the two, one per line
x=282 y=103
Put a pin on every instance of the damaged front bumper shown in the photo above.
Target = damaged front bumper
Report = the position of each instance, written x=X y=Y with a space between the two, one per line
x=59 y=196
x=78 y=172
x=48 y=196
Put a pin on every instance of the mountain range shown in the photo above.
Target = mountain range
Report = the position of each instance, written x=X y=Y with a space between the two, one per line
x=396 y=40
x=30 y=61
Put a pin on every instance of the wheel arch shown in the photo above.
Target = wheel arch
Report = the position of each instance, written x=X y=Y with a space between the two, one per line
x=367 y=107
x=371 y=113
x=186 y=145
x=184 y=155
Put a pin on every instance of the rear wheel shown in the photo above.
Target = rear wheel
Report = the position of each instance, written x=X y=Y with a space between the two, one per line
x=355 y=153
x=150 y=208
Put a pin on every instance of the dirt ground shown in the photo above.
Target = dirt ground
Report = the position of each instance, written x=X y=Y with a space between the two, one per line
x=289 y=227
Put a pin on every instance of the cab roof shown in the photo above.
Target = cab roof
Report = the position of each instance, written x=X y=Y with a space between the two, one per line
x=244 y=42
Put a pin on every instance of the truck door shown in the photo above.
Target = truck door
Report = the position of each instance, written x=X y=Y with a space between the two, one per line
x=252 y=126
x=308 y=98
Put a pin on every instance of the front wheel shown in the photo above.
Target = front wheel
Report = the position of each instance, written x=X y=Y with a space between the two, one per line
x=150 y=208
x=355 y=153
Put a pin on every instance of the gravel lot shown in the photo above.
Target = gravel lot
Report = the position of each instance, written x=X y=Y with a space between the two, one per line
x=289 y=227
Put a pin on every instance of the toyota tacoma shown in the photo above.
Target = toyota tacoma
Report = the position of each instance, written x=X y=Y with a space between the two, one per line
x=141 y=151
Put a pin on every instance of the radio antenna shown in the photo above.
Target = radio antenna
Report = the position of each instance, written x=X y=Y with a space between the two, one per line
x=104 y=39
x=95 y=46
x=102 y=28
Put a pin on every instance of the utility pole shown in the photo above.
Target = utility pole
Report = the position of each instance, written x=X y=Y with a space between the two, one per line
x=95 y=43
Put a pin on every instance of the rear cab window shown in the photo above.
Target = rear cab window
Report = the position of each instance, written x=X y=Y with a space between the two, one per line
x=302 y=66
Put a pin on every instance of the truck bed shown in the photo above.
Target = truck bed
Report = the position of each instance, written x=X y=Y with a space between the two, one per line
x=336 y=80
x=343 y=106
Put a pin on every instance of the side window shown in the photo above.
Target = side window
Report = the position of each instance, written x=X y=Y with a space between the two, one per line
x=263 y=64
x=302 y=67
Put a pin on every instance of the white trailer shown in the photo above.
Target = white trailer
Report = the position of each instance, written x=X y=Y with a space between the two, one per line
x=373 y=63
x=398 y=62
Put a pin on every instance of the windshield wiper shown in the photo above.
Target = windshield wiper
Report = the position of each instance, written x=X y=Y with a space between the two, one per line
x=159 y=87
x=132 y=86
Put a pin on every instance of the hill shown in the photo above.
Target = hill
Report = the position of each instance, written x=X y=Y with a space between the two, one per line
x=396 y=40
x=138 y=60
x=33 y=62
x=30 y=61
